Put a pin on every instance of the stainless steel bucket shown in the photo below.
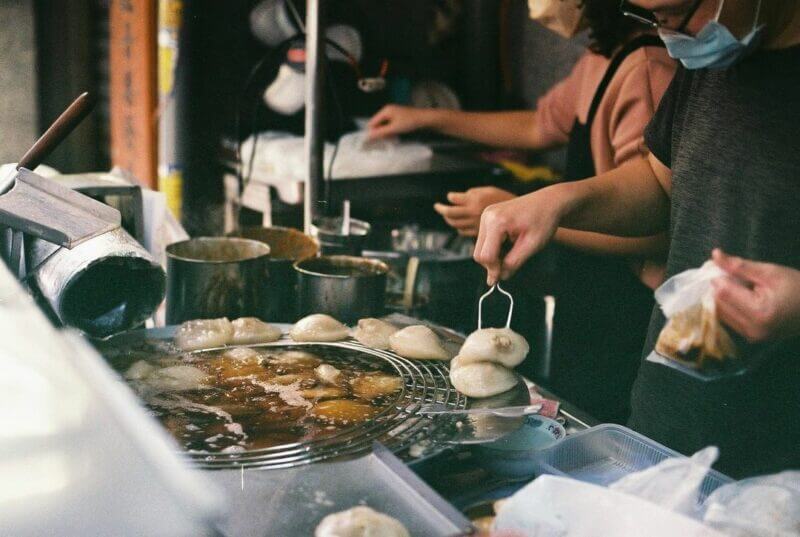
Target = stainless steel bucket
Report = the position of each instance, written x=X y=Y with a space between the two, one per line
x=348 y=288
x=103 y=286
x=286 y=245
x=211 y=277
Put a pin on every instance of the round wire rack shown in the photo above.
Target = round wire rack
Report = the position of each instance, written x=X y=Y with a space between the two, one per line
x=399 y=426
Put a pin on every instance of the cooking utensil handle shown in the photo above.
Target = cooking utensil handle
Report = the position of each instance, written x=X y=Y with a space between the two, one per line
x=412 y=269
x=55 y=134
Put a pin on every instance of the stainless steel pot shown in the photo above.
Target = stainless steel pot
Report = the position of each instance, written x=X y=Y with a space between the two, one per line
x=432 y=276
x=286 y=245
x=348 y=288
x=103 y=286
x=332 y=239
x=211 y=277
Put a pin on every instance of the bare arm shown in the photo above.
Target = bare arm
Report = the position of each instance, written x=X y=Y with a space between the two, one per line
x=518 y=129
x=632 y=200
x=654 y=247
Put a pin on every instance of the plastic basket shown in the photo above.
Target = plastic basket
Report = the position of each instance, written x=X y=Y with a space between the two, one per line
x=605 y=453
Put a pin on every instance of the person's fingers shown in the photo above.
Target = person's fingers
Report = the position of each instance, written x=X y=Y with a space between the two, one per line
x=738 y=307
x=453 y=211
x=457 y=198
x=493 y=232
x=380 y=117
x=735 y=294
x=523 y=248
x=743 y=269
x=733 y=319
x=468 y=231
x=381 y=131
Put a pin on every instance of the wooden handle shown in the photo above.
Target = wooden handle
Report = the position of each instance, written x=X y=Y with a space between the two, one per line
x=60 y=129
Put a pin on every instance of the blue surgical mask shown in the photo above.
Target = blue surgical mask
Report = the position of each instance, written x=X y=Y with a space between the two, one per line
x=714 y=47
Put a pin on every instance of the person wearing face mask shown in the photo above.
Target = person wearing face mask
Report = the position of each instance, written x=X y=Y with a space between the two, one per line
x=599 y=112
x=722 y=173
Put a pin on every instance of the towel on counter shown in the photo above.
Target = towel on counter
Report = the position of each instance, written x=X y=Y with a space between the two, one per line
x=279 y=160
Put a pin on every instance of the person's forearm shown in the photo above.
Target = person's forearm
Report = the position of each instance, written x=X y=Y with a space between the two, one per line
x=629 y=201
x=500 y=129
x=654 y=247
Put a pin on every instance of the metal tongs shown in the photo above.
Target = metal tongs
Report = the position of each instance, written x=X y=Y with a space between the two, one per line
x=489 y=292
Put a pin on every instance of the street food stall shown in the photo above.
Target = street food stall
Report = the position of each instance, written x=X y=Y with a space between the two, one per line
x=331 y=361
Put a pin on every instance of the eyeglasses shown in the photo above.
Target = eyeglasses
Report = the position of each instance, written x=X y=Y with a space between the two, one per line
x=650 y=19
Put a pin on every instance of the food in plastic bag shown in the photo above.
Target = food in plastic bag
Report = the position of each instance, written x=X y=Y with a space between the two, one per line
x=764 y=506
x=673 y=483
x=693 y=335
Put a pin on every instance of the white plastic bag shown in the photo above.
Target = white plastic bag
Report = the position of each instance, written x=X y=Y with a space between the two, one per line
x=692 y=336
x=674 y=483
x=553 y=506
x=765 y=506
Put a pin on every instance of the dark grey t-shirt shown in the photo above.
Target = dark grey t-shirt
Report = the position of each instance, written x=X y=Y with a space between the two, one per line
x=732 y=140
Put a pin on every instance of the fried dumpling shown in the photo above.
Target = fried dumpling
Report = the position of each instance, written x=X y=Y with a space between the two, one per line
x=300 y=359
x=418 y=342
x=328 y=374
x=371 y=386
x=481 y=379
x=318 y=327
x=500 y=345
x=242 y=354
x=323 y=392
x=343 y=411
x=139 y=370
x=250 y=330
x=374 y=333
x=360 y=521
x=204 y=334
x=176 y=378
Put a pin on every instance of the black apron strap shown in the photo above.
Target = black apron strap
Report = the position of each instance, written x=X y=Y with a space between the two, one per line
x=616 y=61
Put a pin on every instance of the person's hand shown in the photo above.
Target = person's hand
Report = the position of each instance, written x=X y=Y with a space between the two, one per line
x=528 y=221
x=760 y=301
x=464 y=215
x=394 y=119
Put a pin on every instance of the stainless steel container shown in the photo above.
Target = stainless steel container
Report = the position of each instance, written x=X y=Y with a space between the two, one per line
x=433 y=276
x=286 y=245
x=334 y=241
x=211 y=277
x=105 y=285
x=346 y=287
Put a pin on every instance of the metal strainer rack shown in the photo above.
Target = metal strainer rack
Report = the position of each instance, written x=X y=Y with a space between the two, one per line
x=398 y=427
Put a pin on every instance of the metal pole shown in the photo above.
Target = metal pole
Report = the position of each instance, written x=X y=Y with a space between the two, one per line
x=315 y=90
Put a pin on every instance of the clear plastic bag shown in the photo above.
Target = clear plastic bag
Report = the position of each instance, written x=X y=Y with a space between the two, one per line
x=693 y=336
x=765 y=506
x=674 y=483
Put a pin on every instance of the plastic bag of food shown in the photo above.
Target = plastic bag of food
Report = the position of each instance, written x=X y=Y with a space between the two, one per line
x=674 y=483
x=693 y=336
x=764 y=506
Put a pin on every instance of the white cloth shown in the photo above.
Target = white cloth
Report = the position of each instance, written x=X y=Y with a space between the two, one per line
x=280 y=160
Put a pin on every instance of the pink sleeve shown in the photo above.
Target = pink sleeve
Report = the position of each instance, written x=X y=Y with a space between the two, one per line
x=557 y=109
x=634 y=106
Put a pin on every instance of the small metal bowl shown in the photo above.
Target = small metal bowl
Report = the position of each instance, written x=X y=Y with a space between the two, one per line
x=513 y=455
